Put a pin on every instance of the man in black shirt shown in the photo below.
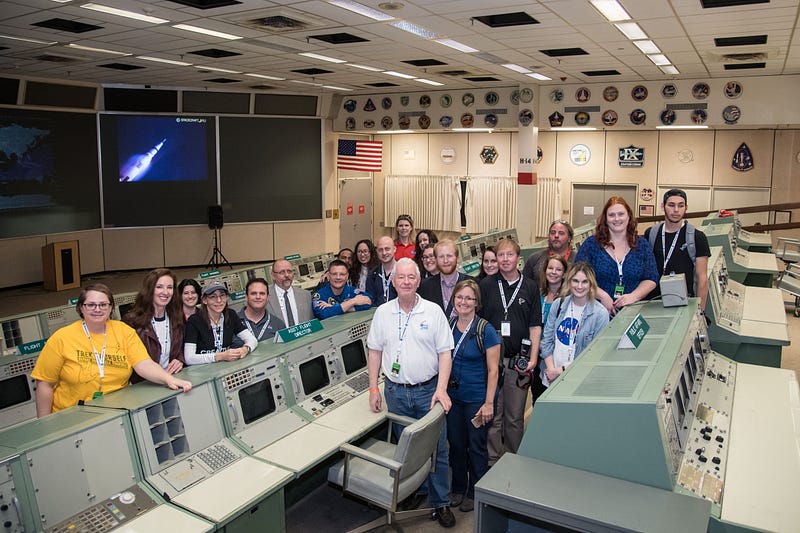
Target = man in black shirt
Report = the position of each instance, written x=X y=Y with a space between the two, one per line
x=675 y=249
x=512 y=305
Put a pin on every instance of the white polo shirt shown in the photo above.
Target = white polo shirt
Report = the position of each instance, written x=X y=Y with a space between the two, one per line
x=426 y=335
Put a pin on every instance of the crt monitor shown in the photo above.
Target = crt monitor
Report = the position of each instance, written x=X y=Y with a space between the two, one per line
x=314 y=375
x=257 y=400
x=303 y=270
x=319 y=266
x=353 y=356
x=14 y=391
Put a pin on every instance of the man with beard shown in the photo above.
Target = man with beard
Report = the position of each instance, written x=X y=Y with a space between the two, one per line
x=559 y=241
x=439 y=288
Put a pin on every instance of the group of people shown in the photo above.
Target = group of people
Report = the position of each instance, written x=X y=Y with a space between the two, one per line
x=477 y=346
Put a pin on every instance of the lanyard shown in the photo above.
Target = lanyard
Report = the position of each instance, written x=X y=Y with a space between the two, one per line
x=573 y=334
x=258 y=337
x=664 y=243
x=100 y=358
x=386 y=283
x=506 y=305
x=164 y=342
x=401 y=333
x=218 y=331
x=463 y=335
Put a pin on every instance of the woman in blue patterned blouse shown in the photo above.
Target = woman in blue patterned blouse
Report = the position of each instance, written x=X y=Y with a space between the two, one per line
x=623 y=262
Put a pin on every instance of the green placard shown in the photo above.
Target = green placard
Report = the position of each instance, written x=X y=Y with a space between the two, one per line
x=204 y=275
x=31 y=347
x=72 y=301
x=291 y=257
x=464 y=238
x=635 y=333
x=300 y=330
x=471 y=267
x=237 y=295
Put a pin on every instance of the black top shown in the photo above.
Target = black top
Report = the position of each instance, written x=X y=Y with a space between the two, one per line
x=679 y=261
x=199 y=333
x=375 y=287
x=524 y=312
x=431 y=290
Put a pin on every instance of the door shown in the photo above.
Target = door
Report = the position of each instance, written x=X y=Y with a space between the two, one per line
x=355 y=211
x=588 y=200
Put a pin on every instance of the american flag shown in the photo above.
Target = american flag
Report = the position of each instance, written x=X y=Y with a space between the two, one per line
x=360 y=155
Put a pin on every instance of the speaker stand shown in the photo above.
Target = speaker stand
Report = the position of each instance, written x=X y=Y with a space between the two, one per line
x=217 y=257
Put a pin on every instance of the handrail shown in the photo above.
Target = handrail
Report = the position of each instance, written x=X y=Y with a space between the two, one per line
x=739 y=210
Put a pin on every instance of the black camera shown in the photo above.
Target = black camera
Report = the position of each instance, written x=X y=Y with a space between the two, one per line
x=520 y=362
x=453 y=383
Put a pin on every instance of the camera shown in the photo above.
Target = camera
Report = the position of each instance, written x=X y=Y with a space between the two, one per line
x=520 y=362
x=453 y=383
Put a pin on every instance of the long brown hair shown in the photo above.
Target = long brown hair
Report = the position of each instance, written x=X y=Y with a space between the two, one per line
x=543 y=285
x=142 y=313
x=602 y=234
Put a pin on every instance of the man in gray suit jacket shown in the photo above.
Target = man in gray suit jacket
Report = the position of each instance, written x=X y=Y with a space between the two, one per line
x=439 y=288
x=292 y=304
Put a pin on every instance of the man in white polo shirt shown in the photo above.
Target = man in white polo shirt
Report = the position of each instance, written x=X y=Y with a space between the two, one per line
x=410 y=341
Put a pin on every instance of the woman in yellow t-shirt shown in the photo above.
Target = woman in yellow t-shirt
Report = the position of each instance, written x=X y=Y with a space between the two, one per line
x=93 y=356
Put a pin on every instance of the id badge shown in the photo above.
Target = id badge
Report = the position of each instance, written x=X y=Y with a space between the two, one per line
x=505 y=329
x=619 y=290
x=97 y=395
x=395 y=369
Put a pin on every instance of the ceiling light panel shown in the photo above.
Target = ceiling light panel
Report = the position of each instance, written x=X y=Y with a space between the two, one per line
x=322 y=57
x=124 y=13
x=204 y=31
x=647 y=47
x=399 y=75
x=457 y=45
x=361 y=9
x=410 y=27
x=517 y=68
x=611 y=10
x=631 y=30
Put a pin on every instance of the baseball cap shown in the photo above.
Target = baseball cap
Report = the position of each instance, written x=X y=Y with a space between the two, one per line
x=214 y=287
x=675 y=192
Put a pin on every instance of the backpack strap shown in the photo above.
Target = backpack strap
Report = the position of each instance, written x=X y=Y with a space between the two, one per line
x=691 y=247
x=654 y=234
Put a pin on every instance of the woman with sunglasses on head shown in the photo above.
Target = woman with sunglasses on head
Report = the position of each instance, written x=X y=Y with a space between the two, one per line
x=189 y=292
x=488 y=263
x=575 y=319
x=93 y=356
x=366 y=260
x=158 y=320
x=210 y=331
x=472 y=387
x=404 y=242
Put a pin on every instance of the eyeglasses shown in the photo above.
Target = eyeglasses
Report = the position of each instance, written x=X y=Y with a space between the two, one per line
x=102 y=306
x=217 y=296
x=461 y=298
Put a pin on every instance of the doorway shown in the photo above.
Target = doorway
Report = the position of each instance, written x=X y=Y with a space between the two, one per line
x=355 y=211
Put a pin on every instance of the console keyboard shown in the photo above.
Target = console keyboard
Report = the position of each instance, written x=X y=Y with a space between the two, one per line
x=359 y=383
x=217 y=456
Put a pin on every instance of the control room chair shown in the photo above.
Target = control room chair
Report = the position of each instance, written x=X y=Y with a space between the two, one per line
x=789 y=282
x=788 y=250
x=384 y=474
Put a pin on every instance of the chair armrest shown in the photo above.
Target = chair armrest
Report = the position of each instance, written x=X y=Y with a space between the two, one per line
x=789 y=240
x=372 y=457
x=400 y=419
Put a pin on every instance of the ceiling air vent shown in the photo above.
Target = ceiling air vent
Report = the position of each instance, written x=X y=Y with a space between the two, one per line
x=746 y=57
x=278 y=23
x=53 y=58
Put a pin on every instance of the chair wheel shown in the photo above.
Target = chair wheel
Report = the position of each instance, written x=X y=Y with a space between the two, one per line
x=797 y=312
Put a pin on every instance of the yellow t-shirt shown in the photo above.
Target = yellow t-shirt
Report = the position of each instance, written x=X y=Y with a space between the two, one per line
x=67 y=360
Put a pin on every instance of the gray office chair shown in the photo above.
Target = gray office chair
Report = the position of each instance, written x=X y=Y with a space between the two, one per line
x=384 y=474
x=788 y=250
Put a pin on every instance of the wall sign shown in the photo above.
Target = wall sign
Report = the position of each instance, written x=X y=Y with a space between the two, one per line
x=580 y=154
x=489 y=155
x=742 y=159
x=447 y=155
x=631 y=157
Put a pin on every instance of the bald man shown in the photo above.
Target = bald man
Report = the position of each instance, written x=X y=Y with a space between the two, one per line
x=379 y=282
x=292 y=304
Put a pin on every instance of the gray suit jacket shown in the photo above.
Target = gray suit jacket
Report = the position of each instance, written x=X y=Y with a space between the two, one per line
x=302 y=297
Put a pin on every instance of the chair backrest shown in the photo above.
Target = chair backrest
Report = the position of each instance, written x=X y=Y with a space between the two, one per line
x=418 y=441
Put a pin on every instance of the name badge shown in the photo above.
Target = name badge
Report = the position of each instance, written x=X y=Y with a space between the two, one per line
x=395 y=369
x=97 y=395
x=505 y=329
x=619 y=290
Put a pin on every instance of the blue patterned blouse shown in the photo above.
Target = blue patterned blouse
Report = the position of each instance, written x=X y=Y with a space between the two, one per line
x=639 y=265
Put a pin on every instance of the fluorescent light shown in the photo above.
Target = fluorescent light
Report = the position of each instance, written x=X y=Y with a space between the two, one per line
x=364 y=67
x=215 y=69
x=476 y=130
x=631 y=30
x=361 y=9
x=517 y=68
x=167 y=61
x=457 y=45
x=301 y=82
x=659 y=59
x=35 y=41
x=537 y=76
x=394 y=132
x=335 y=88
x=124 y=13
x=413 y=28
x=687 y=127
x=611 y=10
x=572 y=129
x=647 y=47
x=204 y=31
x=100 y=50
x=399 y=74
x=429 y=82
x=322 y=58
x=264 y=77
x=669 y=69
